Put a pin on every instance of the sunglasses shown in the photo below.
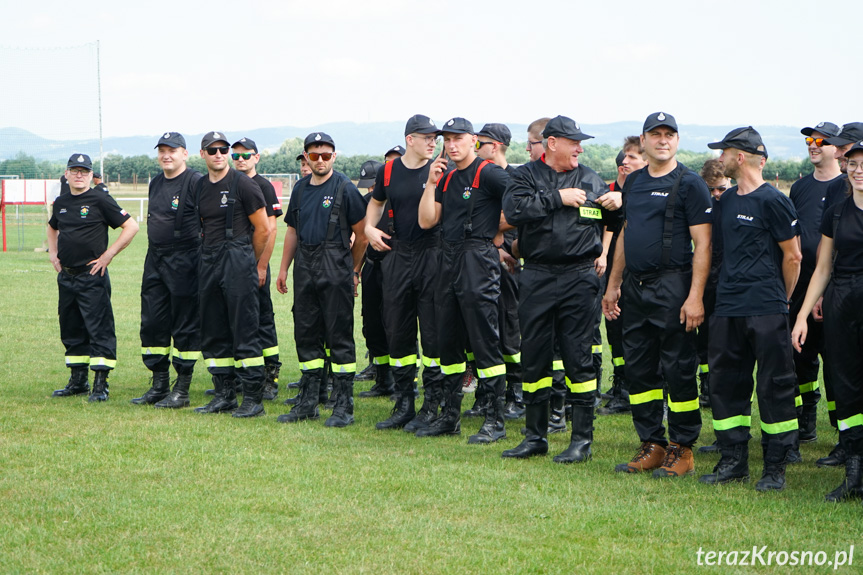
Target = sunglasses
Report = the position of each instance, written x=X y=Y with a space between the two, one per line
x=220 y=149
x=818 y=142
x=325 y=156
x=717 y=188
x=244 y=155
x=481 y=144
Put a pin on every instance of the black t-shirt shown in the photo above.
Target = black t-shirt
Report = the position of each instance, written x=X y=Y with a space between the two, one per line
x=751 y=281
x=274 y=206
x=837 y=191
x=404 y=193
x=716 y=245
x=456 y=200
x=316 y=205
x=808 y=196
x=213 y=203
x=83 y=222
x=101 y=187
x=644 y=210
x=164 y=204
x=848 y=242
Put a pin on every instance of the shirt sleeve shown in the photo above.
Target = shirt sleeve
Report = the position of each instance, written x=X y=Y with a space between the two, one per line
x=827 y=220
x=113 y=213
x=781 y=217
x=379 y=193
x=354 y=203
x=250 y=194
x=438 y=190
x=697 y=200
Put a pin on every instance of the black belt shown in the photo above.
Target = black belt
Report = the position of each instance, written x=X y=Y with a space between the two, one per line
x=177 y=247
x=586 y=262
x=78 y=270
x=659 y=272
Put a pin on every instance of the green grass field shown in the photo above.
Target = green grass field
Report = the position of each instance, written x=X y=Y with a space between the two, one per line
x=121 y=488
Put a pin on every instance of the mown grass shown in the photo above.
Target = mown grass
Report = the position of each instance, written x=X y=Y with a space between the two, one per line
x=121 y=488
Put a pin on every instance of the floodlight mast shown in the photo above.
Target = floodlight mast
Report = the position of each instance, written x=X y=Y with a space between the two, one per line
x=99 y=93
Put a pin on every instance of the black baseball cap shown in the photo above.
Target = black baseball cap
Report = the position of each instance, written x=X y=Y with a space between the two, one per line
x=368 y=172
x=829 y=129
x=80 y=161
x=97 y=176
x=563 y=127
x=747 y=139
x=852 y=132
x=419 y=124
x=172 y=140
x=619 y=159
x=457 y=126
x=497 y=132
x=211 y=138
x=316 y=138
x=657 y=119
x=247 y=143
x=300 y=157
x=857 y=147
x=395 y=150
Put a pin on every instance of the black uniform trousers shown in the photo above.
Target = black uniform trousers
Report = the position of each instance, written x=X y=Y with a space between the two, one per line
x=658 y=350
x=843 y=338
x=374 y=330
x=324 y=307
x=169 y=307
x=510 y=334
x=736 y=345
x=410 y=271
x=267 y=324
x=806 y=362
x=86 y=319
x=466 y=300
x=230 y=339
x=703 y=337
x=596 y=348
x=557 y=304
x=614 y=329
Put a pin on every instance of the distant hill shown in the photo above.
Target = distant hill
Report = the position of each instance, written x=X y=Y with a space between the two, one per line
x=374 y=138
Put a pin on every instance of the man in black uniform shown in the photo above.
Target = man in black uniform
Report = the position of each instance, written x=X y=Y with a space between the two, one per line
x=246 y=156
x=807 y=195
x=97 y=182
x=492 y=143
x=169 y=286
x=324 y=208
x=760 y=266
x=466 y=202
x=79 y=252
x=667 y=210
x=235 y=234
x=305 y=169
x=409 y=275
x=559 y=207
x=394 y=152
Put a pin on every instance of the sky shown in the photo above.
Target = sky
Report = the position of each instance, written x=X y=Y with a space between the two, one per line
x=214 y=65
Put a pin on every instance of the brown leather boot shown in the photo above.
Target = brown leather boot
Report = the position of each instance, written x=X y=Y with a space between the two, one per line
x=649 y=457
x=678 y=462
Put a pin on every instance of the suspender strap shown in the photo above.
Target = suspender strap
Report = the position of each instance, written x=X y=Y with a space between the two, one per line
x=448 y=178
x=668 y=227
x=468 y=224
x=836 y=215
x=181 y=207
x=388 y=174
x=338 y=217
x=232 y=200
x=298 y=192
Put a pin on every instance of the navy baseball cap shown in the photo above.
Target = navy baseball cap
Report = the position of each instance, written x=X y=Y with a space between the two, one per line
x=747 y=139
x=497 y=132
x=829 y=129
x=419 y=124
x=658 y=119
x=857 y=147
x=211 y=138
x=316 y=138
x=172 y=140
x=563 y=127
x=300 y=157
x=395 y=150
x=852 y=132
x=80 y=161
x=619 y=159
x=368 y=172
x=247 y=143
x=457 y=126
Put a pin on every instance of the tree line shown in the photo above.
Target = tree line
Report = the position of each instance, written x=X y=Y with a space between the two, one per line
x=599 y=157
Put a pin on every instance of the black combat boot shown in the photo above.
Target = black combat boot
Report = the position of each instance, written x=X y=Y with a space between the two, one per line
x=733 y=465
x=704 y=393
x=368 y=373
x=384 y=383
x=78 y=383
x=159 y=389
x=852 y=486
x=773 y=476
x=557 y=416
x=619 y=402
x=806 y=424
x=581 y=438
x=224 y=398
x=179 y=397
x=835 y=458
x=492 y=428
x=432 y=396
x=536 y=428
x=343 y=410
x=271 y=384
x=481 y=403
x=252 y=380
x=449 y=421
x=404 y=410
x=100 y=386
x=307 y=406
x=514 y=406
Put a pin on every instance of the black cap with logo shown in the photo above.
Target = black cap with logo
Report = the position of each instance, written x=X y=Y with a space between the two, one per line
x=858 y=146
x=619 y=159
x=746 y=139
x=80 y=161
x=563 y=127
x=316 y=138
x=829 y=129
x=852 y=132
x=497 y=132
x=172 y=140
x=368 y=173
x=419 y=124
x=658 y=119
x=211 y=138
x=395 y=150
x=457 y=126
x=247 y=143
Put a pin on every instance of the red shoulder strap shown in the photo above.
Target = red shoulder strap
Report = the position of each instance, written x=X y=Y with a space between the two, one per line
x=479 y=168
x=448 y=178
x=388 y=173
